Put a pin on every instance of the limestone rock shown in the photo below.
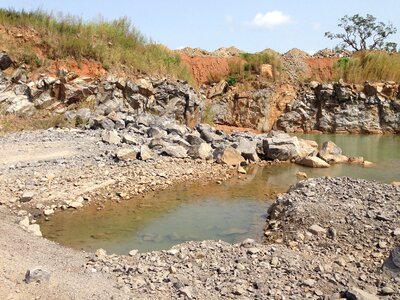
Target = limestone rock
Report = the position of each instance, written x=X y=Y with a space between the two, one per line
x=219 y=89
x=175 y=151
x=145 y=153
x=27 y=196
x=281 y=146
x=228 y=156
x=126 y=154
x=331 y=153
x=110 y=137
x=312 y=162
x=358 y=294
x=202 y=151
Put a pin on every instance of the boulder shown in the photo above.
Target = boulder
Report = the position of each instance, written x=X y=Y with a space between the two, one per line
x=5 y=61
x=355 y=293
x=218 y=89
x=331 y=153
x=110 y=137
x=37 y=274
x=312 y=162
x=228 y=156
x=202 y=151
x=126 y=154
x=308 y=148
x=175 y=151
x=130 y=140
x=145 y=87
x=27 y=196
x=281 y=146
x=248 y=149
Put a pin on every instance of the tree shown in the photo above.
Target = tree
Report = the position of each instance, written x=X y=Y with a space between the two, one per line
x=364 y=33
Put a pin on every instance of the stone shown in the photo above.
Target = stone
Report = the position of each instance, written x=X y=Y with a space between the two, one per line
x=218 y=89
x=228 y=156
x=202 y=151
x=48 y=212
x=317 y=230
x=129 y=139
x=301 y=175
x=356 y=160
x=355 y=293
x=37 y=274
x=24 y=222
x=110 y=137
x=75 y=204
x=145 y=153
x=133 y=252
x=312 y=162
x=27 y=196
x=241 y=170
x=126 y=154
x=281 y=146
x=388 y=291
x=186 y=291
x=309 y=282
x=248 y=149
x=367 y=164
x=5 y=61
x=395 y=256
x=175 y=151
x=100 y=252
x=396 y=183
x=145 y=87
x=331 y=153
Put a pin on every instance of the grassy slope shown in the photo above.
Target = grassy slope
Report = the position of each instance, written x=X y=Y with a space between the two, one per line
x=115 y=43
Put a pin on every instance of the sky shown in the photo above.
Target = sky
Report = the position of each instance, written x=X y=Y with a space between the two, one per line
x=250 y=25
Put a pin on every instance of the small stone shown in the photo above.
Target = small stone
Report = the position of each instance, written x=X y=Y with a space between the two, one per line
x=387 y=290
x=317 y=230
x=24 y=222
x=274 y=261
x=253 y=250
x=27 y=196
x=309 y=282
x=396 y=232
x=382 y=245
x=34 y=229
x=100 y=252
x=241 y=170
x=172 y=251
x=37 y=274
x=301 y=175
x=75 y=204
x=48 y=212
x=133 y=252
x=110 y=137
x=126 y=154
x=172 y=269
x=187 y=291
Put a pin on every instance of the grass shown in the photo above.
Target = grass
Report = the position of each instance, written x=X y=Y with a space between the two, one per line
x=112 y=43
x=369 y=65
x=209 y=115
x=13 y=123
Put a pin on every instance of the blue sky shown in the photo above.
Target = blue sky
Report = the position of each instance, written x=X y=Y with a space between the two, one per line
x=251 y=25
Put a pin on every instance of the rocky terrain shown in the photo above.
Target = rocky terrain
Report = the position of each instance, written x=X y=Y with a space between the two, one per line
x=326 y=239
x=344 y=108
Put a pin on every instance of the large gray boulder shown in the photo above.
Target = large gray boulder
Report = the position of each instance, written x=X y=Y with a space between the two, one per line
x=248 y=149
x=281 y=146
x=175 y=151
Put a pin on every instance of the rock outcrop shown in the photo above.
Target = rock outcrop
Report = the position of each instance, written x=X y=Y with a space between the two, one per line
x=344 y=108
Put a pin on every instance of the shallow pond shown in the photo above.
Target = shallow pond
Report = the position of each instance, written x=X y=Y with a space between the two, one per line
x=231 y=211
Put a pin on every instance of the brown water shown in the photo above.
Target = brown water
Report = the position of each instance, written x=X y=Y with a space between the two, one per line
x=231 y=211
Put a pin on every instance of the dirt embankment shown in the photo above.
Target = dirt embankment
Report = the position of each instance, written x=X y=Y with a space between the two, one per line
x=208 y=68
x=320 y=69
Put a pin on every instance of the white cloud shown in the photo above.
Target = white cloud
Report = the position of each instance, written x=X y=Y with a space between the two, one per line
x=180 y=48
x=270 y=19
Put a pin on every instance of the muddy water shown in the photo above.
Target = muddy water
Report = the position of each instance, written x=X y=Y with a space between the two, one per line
x=231 y=211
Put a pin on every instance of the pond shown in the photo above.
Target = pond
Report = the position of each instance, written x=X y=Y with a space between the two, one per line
x=231 y=211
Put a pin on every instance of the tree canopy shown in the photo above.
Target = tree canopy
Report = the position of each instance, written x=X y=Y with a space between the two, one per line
x=363 y=33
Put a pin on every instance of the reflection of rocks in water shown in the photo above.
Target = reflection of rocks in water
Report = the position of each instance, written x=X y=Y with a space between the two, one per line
x=100 y=236
x=233 y=231
x=175 y=237
x=149 y=237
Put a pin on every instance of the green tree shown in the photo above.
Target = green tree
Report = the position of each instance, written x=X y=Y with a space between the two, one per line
x=362 y=33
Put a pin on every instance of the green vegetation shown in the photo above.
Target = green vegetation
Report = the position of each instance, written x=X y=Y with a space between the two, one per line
x=209 y=115
x=369 y=65
x=13 y=123
x=249 y=64
x=113 y=43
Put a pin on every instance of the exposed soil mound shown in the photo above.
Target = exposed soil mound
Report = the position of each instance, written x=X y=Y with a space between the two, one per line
x=320 y=69
x=205 y=69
